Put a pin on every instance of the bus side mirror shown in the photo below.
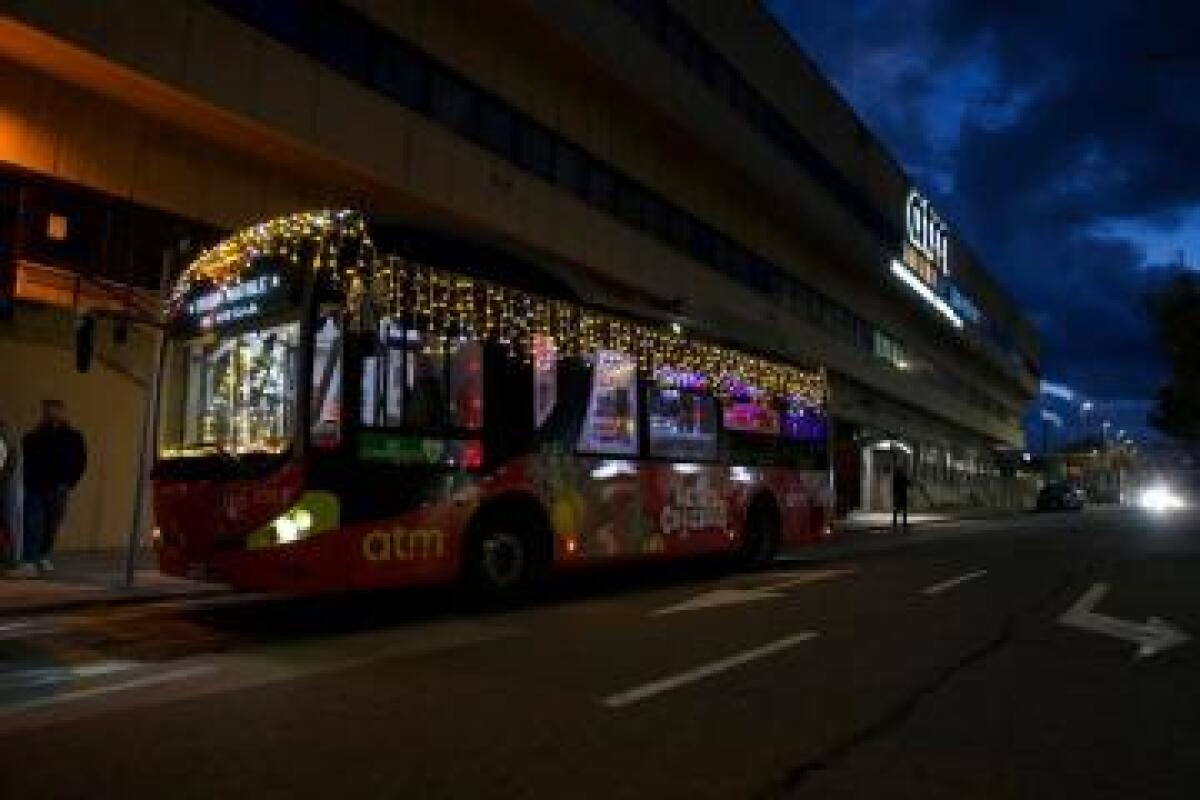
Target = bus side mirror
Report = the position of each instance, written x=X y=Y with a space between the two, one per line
x=85 y=342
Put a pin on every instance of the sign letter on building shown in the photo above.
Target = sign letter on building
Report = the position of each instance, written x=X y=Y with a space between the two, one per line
x=926 y=231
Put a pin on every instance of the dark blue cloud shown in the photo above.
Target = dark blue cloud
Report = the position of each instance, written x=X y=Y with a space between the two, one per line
x=1063 y=141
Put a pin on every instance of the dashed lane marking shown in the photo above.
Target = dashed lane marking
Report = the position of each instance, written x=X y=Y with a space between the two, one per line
x=647 y=690
x=950 y=583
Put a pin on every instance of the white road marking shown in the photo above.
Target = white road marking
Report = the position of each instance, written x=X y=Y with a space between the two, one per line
x=236 y=671
x=1152 y=637
x=43 y=676
x=718 y=598
x=646 y=690
x=20 y=624
x=24 y=629
x=950 y=583
x=111 y=688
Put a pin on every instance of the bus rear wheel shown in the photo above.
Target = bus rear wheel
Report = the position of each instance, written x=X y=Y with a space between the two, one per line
x=760 y=537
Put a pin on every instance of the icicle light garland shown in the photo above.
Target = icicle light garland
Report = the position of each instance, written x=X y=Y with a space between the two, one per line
x=313 y=239
x=456 y=306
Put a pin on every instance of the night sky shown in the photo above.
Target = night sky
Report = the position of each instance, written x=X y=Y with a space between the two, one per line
x=1060 y=139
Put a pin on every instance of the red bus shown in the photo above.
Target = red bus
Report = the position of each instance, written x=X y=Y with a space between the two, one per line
x=334 y=418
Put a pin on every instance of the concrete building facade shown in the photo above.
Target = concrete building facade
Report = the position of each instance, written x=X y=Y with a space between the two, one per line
x=680 y=155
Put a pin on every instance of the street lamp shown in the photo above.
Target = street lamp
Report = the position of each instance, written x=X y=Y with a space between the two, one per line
x=1084 y=408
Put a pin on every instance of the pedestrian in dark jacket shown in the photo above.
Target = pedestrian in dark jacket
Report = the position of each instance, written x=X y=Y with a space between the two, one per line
x=54 y=458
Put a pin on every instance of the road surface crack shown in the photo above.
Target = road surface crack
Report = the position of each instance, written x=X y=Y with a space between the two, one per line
x=903 y=710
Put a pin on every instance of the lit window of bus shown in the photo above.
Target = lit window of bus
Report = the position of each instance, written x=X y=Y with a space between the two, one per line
x=610 y=427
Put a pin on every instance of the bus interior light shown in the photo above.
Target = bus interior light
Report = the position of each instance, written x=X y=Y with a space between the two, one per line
x=741 y=475
x=613 y=469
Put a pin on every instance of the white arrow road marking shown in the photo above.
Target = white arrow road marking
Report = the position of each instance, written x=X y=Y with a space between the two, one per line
x=637 y=693
x=950 y=583
x=1152 y=637
x=731 y=597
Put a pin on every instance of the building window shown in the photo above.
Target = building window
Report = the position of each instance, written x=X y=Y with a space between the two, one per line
x=56 y=227
x=497 y=128
x=679 y=223
x=570 y=168
x=629 y=203
x=403 y=75
x=454 y=103
x=535 y=151
x=600 y=186
x=654 y=216
x=344 y=42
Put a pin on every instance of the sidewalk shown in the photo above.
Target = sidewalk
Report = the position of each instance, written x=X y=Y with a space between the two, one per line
x=881 y=521
x=86 y=579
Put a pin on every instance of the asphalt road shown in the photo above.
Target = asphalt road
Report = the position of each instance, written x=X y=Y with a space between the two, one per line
x=992 y=659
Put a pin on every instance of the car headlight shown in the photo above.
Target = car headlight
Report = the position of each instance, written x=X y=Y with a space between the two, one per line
x=1160 y=498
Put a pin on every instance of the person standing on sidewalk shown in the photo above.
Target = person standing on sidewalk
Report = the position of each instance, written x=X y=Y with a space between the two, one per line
x=55 y=458
x=900 y=485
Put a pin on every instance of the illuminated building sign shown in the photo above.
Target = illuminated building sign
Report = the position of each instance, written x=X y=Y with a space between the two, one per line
x=924 y=264
x=226 y=305
x=927 y=234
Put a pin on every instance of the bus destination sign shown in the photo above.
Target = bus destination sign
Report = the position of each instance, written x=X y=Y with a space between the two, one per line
x=227 y=305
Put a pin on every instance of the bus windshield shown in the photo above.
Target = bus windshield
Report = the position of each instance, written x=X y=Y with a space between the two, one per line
x=231 y=393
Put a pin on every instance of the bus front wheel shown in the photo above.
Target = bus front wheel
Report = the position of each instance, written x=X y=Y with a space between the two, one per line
x=502 y=563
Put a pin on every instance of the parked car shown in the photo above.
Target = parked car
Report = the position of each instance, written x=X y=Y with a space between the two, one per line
x=1060 y=496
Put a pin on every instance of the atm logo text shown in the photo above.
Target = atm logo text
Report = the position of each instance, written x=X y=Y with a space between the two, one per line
x=404 y=544
x=926 y=231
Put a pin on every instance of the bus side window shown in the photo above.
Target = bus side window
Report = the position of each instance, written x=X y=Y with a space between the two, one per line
x=545 y=378
x=681 y=424
x=610 y=427
x=572 y=382
x=751 y=433
x=326 y=408
x=466 y=385
x=425 y=381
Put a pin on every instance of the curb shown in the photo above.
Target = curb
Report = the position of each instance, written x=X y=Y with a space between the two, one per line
x=112 y=598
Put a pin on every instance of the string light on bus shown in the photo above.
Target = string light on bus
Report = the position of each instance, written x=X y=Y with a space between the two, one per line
x=449 y=306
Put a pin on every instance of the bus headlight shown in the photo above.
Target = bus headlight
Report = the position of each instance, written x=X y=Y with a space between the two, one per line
x=316 y=512
x=286 y=530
